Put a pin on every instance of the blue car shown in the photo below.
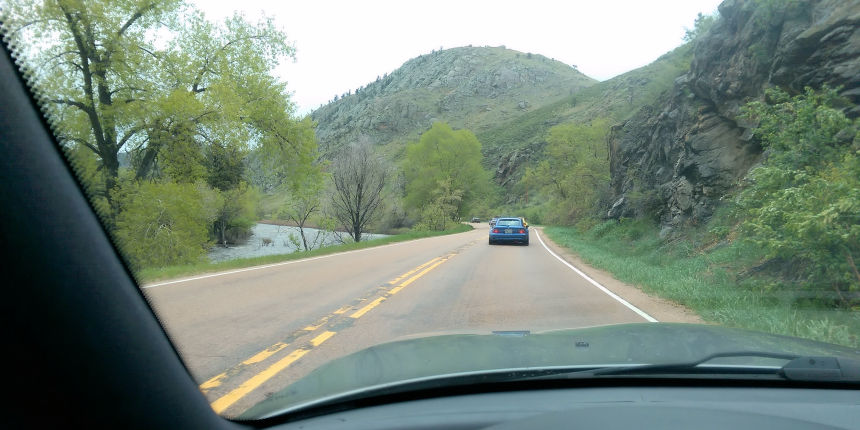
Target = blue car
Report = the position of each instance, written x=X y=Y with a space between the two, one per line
x=509 y=230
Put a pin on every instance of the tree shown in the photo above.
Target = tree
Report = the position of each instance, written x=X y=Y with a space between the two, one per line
x=235 y=213
x=156 y=80
x=436 y=215
x=574 y=171
x=305 y=201
x=290 y=152
x=225 y=166
x=184 y=100
x=358 y=177
x=445 y=156
x=92 y=68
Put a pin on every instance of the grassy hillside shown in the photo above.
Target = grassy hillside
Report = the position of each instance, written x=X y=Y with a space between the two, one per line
x=469 y=87
x=719 y=279
x=511 y=145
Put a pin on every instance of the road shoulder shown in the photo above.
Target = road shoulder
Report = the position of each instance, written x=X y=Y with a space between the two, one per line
x=661 y=309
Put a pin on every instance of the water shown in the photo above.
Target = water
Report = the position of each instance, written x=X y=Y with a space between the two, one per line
x=281 y=243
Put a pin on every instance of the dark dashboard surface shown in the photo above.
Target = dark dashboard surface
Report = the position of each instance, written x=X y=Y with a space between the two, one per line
x=612 y=408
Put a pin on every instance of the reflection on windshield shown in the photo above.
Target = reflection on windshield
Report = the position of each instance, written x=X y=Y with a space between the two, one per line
x=296 y=250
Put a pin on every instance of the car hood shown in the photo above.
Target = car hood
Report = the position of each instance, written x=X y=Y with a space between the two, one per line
x=643 y=343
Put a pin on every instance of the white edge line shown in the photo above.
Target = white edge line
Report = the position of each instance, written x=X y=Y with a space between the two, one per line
x=641 y=313
x=283 y=263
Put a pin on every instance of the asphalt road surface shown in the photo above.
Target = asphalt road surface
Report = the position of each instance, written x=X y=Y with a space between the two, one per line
x=247 y=333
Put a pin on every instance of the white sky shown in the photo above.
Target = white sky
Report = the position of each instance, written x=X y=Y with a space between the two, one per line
x=342 y=45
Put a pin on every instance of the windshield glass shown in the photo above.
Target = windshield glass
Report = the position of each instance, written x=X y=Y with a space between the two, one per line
x=299 y=188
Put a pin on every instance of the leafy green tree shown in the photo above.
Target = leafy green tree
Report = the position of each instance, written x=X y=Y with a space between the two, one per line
x=574 y=172
x=182 y=98
x=436 y=215
x=236 y=213
x=225 y=166
x=445 y=156
x=156 y=80
x=304 y=202
x=90 y=59
x=802 y=204
x=164 y=223
x=289 y=153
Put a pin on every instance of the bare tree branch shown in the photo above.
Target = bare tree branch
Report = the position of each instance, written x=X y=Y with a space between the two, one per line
x=359 y=178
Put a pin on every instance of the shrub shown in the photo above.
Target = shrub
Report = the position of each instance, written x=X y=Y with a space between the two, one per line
x=802 y=205
x=163 y=223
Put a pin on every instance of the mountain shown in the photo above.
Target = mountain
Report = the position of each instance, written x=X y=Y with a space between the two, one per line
x=511 y=145
x=690 y=148
x=509 y=99
x=468 y=87
x=677 y=146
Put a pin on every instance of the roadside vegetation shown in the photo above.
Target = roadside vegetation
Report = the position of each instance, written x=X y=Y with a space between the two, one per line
x=445 y=181
x=574 y=174
x=153 y=274
x=717 y=280
x=184 y=138
x=780 y=255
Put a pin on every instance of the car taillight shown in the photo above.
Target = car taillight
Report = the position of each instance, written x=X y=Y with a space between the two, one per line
x=495 y=230
x=522 y=231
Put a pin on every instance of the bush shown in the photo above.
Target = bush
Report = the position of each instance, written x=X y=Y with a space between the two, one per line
x=235 y=215
x=441 y=213
x=802 y=204
x=162 y=224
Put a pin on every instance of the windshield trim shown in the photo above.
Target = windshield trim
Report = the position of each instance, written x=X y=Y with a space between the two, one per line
x=334 y=398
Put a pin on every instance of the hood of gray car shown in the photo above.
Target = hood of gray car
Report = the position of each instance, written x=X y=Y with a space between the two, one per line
x=643 y=343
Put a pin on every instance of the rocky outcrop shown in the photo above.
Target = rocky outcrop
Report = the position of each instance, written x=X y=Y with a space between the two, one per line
x=468 y=87
x=677 y=157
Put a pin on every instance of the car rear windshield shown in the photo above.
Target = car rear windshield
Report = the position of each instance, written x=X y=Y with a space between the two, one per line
x=508 y=222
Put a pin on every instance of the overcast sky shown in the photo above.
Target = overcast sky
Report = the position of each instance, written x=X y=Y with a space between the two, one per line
x=342 y=45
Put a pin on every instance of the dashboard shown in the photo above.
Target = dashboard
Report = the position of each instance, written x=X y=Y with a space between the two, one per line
x=612 y=408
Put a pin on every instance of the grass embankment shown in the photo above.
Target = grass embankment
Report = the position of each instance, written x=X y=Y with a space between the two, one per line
x=711 y=278
x=170 y=272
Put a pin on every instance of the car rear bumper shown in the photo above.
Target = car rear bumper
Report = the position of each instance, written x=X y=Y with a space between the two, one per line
x=500 y=237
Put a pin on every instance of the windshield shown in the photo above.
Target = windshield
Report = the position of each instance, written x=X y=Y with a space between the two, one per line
x=299 y=188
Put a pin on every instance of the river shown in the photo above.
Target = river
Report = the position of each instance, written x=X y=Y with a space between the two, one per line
x=280 y=242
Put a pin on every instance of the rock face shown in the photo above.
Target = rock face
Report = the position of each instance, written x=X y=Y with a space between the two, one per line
x=680 y=155
x=468 y=87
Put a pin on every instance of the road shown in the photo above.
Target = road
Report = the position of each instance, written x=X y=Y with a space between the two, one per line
x=250 y=332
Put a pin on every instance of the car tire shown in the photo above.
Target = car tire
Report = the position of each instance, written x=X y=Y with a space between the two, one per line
x=491 y=242
x=527 y=243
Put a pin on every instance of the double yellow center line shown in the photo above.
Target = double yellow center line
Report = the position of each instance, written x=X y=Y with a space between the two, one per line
x=231 y=397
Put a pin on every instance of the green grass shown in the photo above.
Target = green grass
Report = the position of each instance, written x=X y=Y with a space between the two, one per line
x=149 y=275
x=704 y=277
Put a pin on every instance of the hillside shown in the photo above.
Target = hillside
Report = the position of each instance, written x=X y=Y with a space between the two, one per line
x=691 y=148
x=508 y=98
x=468 y=87
x=511 y=145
